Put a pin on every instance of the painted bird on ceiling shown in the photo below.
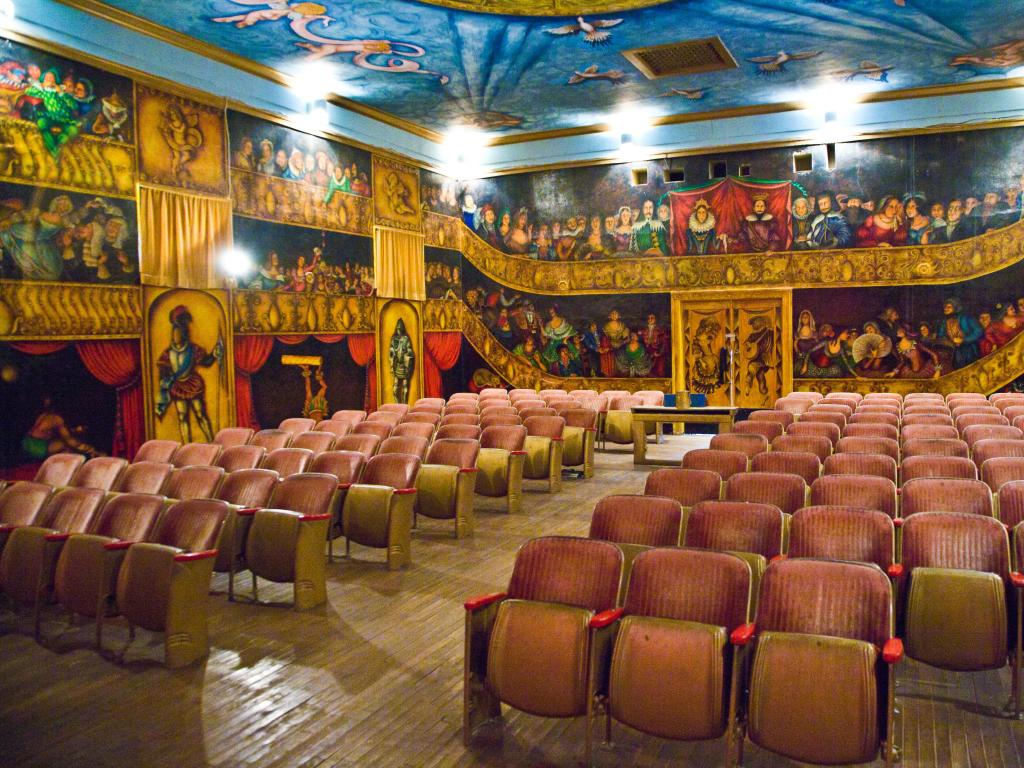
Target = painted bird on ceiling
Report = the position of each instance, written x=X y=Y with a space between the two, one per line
x=615 y=76
x=868 y=69
x=771 y=65
x=593 y=31
x=692 y=93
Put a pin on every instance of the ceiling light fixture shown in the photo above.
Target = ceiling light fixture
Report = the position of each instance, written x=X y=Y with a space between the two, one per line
x=317 y=115
x=7 y=10
x=464 y=149
x=236 y=262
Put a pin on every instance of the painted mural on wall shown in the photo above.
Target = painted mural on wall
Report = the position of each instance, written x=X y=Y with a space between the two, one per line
x=52 y=404
x=396 y=194
x=64 y=123
x=549 y=71
x=190 y=393
x=182 y=142
x=280 y=174
x=919 y=190
x=49 y=234
x=471 y=373
x=443 y=273
x=599 y=335
x=299 y=259
x=399 y=356
x=919 y=333
x=310 y=378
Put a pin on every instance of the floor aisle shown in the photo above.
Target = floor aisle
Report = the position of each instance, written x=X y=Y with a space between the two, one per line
x=374 y=677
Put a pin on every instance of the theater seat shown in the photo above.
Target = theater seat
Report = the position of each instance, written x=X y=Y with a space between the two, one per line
x=297 y=425
x=346 y=467
x=317 y=442
x=378 y=510
x=687 y=486
x=414 y=446
x=823 y=658
x=864 y=491
x=861 y=464
x=232 y=436
x=196 y=454
x=287 y=461
x=59 y=470
x=543 y=645
x=445 y=483
x=914 y=467
x=787 y=492
x=271 y=439
x=144 y=477
x=157 y=450
x=413 y=429
x=193 y=482
x=334 y=427
x=458 y=432
x=21 y=503
x=935 y=494
x=103 y=472
x=163 y=585
x=769 y=429
x=543 y=447
x=578 y=439
x=748 y=444
x=815 y=429
x=364 y=444
x=806 y=465
x=673 y=672
x=724 y=463
x=247 y=489
x=843 y=533
x=239 y=457
x=798 y=443
x=500 y=464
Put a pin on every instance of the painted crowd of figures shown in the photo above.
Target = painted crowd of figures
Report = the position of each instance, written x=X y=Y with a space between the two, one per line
x=443 y=281
x=318 y=167
x=811 y=222
x=894 y=347
x=549 y=341
x=316 y=274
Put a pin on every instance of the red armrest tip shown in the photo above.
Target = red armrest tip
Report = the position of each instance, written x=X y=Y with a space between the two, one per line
x=892 y=651
x=482 y=601
x=468 y=470
x=7 y=528
x=777 y=558
x=313 y=518
x=517 y=453
x=895 y=571
x=404 y=491
x=1017 y=579
x=113 y=546
x=742 y=634
x=605 y=618
x=248 y=511
x=188 y=557
x=344 y=486
x=58 y=536
x=897 y=522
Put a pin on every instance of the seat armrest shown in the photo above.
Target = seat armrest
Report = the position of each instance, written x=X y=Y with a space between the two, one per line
x=188 y=557
x=312 y=518
x=1017 y=579
x=344 y=486
x=247 y=511
x=404 y=491
x=895 y=571
x=7 y=528
x=517 y=453
x=892 y=651
x=897 y=522
x=56 y=536
x=779 y=557
x=468 y=470
x=113 y=546
x=605 y=618
x=482 y=601
x=742 y=634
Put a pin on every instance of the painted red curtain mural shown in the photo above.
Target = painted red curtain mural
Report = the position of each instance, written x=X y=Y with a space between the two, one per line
x=251 y=352
x=118 y=364
x=363 y=348
x=442 y=352
x=730 y=202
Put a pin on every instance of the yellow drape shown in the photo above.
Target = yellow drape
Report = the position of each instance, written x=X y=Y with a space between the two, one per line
x=398 y=264
x=181 y=236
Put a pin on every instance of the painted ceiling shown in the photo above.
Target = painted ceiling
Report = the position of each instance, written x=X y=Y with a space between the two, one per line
x=436 y=65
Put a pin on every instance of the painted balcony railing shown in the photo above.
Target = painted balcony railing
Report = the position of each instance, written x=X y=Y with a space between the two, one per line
x=849 y=267
x=30 y=310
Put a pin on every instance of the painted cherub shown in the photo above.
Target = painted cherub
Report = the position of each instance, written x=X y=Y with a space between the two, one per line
x=181 y=133
x=397 y=195
x=275 y=11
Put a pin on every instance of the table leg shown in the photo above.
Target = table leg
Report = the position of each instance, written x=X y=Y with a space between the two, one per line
x=639 y=442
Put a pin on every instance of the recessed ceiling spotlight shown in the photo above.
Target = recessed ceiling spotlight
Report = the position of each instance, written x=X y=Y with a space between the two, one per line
x=6 y=11
x=317 y=115
x=236 y=262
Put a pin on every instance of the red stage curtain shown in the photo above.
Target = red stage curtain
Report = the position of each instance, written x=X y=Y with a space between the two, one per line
x=363 y=348
x=731 y=201
x=251 y=352
x=117 y=363
x=442 y=352
x=329 y=338
x=293 y=339
x=39 y=347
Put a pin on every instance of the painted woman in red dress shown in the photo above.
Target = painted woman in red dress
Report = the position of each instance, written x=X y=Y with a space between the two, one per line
x=884 y=228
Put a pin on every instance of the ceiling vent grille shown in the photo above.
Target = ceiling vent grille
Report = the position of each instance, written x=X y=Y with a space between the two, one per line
x=687 y=57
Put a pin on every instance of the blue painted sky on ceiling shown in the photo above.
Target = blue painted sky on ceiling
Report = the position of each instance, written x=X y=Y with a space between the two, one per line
x=437 y=67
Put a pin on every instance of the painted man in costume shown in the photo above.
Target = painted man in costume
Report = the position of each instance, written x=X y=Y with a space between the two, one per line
x=180 y=382
x=58 y=117
x=403 y=362
x=829 y=228
x=760 y=354
x=649 y=234
x=758 y=231
x=960 y=331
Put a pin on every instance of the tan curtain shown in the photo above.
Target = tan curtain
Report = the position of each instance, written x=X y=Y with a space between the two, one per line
x=181 y=236
x=398 y=264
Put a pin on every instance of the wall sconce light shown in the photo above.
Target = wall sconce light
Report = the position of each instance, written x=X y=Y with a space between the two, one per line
x=316 y=113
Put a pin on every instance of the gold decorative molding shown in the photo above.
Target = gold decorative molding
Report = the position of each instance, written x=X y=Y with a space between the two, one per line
x=442 y=315
x=274 y=312
x=516 y=371
x=30 y=310
x=442 y=231
x=989 y=374
x=287 y=201
x=847 y=268
x=545 y=7
x=396 y=195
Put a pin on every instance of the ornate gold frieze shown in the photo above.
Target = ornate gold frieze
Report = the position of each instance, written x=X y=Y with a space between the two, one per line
x=87 y=164
x=442 y=315
x=443 y=231
x=279 y=312
x=851 y=267
x=988 y=374
x=30 y=310
x=287 y=201
x=545 y=7
x=516 y=371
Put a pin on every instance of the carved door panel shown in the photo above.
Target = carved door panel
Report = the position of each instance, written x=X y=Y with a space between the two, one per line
x=754 y=326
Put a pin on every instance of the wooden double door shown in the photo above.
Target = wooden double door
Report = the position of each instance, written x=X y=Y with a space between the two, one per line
x=756 y=327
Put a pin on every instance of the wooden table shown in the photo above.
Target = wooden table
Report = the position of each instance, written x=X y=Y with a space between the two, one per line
x=659 y=414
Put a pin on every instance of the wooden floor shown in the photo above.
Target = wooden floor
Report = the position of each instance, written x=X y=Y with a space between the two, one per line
x=374 y=677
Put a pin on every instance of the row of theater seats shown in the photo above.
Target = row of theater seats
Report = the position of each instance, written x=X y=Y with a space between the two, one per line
x=727 y=636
